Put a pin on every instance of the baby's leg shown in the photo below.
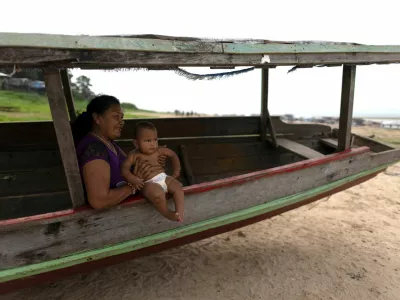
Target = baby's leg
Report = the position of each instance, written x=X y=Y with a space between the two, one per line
x=155 y=193
x=175 y=189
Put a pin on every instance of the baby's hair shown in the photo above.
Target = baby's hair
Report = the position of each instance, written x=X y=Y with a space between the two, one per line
x=142 y=125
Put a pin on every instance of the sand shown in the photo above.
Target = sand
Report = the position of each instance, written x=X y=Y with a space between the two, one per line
x=342 y=247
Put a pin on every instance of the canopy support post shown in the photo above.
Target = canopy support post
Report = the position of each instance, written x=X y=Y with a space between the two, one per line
x=346 y=107
x=68 y=94
x=266 y=122
x=57 y=102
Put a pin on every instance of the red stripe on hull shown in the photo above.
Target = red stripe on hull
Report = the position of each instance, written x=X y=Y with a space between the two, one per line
x=11 y=286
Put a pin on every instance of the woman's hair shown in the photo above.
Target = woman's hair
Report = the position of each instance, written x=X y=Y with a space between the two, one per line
x=84 y=122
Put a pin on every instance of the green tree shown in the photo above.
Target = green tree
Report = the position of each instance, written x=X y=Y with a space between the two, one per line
x=83 y=87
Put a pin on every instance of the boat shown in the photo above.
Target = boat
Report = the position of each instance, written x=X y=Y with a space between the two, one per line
x=235 y=170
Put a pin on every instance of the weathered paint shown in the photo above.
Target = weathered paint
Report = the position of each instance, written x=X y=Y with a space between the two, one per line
x=155 y=239
x=85 y=42
x=232 y=48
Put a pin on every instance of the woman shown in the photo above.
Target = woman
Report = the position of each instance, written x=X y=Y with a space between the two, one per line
x=99 y=157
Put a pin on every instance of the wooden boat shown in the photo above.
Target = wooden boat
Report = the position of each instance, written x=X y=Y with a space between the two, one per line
x=236 y=170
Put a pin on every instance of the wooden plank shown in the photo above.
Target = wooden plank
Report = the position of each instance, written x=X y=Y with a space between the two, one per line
x=68 y=94
x=34 y=204
x=65 y=140
x=65 y=58
x=233 y=48
x=32 y=181
x=24 y=133
x=22 y=157
x=360 y=141
x=375 y=146
x=224 y=149
x=330 y=142
x=89 y=59
x=254 y=163
x=104 y=43
x=118 y=225
x=85 y=42
x=17 y=160
x=49 y=161
x=346 y=107
x=298 y=148
x=187 y=168
x=310 y=142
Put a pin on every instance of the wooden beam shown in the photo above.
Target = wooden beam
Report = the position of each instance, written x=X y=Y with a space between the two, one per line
x=187 y=168
x=330 y=142
x=68 y=94
x=89 y=59
x=346 y=107
x=264 y=103
x=63 y=132
x=299 y=149
x=266 y=121
x=33 y=204
x=177 y=44
x=41 y=134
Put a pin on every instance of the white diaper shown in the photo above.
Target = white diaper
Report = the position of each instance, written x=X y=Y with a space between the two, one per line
x=160 y=179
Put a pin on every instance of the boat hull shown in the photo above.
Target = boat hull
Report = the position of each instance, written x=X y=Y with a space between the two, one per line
x=90 y=260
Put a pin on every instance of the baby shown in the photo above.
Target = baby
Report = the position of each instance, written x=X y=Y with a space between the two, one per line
x=155 y=186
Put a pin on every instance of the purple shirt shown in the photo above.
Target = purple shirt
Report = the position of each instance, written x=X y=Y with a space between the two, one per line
x=90 y=148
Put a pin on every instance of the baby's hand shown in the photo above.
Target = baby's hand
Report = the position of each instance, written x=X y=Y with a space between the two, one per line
x=137 y=183
x=162 y=158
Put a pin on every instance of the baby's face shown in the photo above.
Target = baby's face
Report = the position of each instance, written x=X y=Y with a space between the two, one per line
x=147 y=141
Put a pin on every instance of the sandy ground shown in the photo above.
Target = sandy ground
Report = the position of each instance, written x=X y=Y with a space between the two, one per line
x=343 y=247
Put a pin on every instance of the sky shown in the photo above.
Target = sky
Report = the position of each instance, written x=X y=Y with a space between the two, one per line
x=305 y=92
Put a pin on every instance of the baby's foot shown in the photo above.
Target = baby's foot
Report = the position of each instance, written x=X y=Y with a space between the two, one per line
x=173 y=216
x=178 y=217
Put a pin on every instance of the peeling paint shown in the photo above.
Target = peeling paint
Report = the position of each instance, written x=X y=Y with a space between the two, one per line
x=265 y=59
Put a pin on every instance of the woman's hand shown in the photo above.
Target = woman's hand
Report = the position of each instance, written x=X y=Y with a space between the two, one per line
x=142 y=168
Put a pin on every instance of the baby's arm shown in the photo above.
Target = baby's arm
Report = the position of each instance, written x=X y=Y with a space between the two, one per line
x=136 y=182
x=176 y=165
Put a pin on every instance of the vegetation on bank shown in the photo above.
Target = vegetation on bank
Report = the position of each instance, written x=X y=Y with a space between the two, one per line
x=25 y=106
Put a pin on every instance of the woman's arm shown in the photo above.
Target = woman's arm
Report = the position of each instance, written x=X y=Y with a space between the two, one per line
x=96 y=177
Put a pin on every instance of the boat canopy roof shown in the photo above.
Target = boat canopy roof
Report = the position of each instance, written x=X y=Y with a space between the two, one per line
x=168 y=52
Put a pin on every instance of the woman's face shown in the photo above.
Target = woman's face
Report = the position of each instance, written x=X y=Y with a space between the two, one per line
x=111 y=122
